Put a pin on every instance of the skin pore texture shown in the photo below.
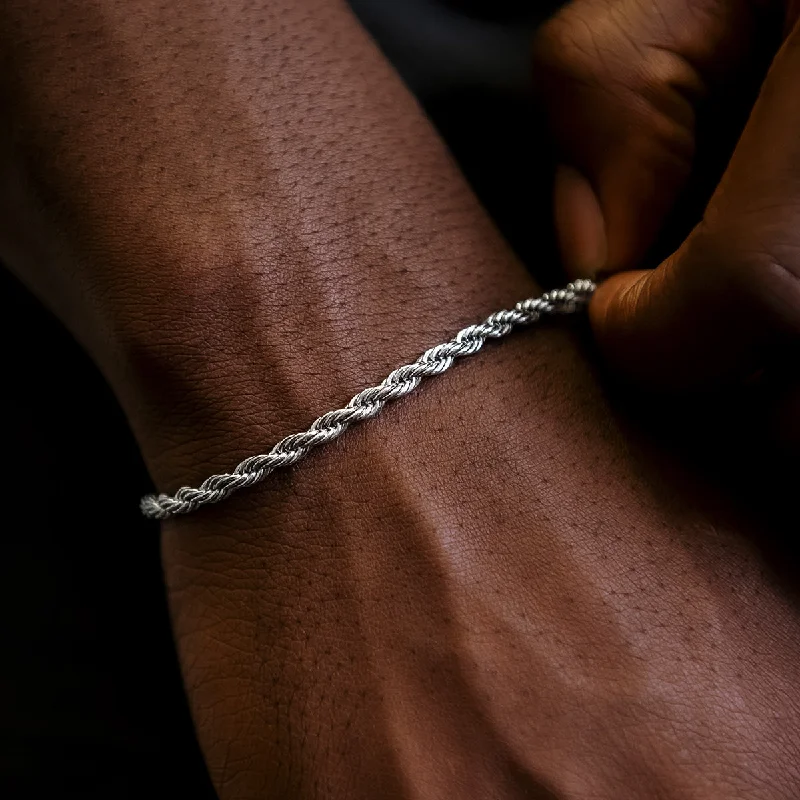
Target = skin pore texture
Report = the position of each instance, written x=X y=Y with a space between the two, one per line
x=502 y=588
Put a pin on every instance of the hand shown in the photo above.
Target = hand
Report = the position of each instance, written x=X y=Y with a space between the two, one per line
x=622 y=81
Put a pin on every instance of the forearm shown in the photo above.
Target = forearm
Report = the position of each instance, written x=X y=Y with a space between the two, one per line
x=244 y=237
x=254 y=205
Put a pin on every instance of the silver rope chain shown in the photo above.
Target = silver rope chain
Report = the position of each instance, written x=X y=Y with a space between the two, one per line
x=370 y=402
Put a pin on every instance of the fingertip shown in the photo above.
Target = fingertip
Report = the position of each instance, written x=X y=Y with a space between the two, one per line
x=621 y=322
x=615 y=303
x=580 y=225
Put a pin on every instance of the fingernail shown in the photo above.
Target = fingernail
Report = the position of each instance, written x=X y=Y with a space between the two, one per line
x=579 y=224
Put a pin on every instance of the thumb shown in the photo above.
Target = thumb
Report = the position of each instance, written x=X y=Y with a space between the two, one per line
x=729 y=298
x=620 y=81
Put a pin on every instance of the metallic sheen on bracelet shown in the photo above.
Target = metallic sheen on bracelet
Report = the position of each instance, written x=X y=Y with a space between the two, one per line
x=368 y=403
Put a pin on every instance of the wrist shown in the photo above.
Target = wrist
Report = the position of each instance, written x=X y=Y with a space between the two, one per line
x=239 y=357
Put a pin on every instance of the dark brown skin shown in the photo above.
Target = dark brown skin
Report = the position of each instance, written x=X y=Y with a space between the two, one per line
x=496 y=590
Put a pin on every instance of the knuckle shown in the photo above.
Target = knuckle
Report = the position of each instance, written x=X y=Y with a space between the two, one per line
x=606 y=70
x=568 y=45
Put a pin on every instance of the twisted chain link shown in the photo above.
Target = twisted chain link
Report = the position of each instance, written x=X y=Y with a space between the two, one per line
x=368 y=403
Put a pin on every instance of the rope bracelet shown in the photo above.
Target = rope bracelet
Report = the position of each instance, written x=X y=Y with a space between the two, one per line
x=368 y=403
